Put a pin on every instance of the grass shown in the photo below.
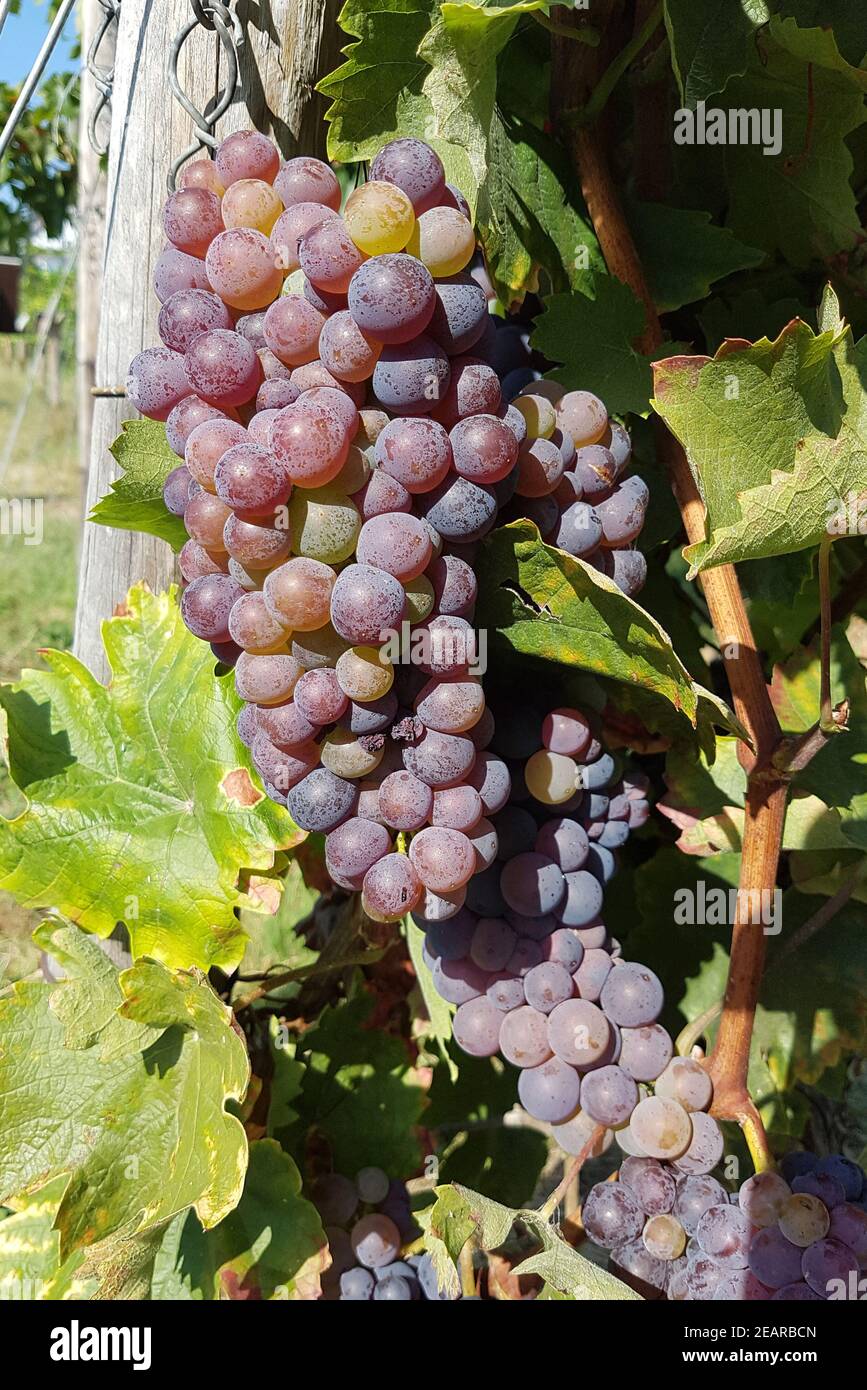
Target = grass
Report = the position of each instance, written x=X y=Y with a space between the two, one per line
x=37 y=595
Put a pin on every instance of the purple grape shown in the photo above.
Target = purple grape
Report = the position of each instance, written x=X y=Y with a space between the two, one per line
x=549 y=1092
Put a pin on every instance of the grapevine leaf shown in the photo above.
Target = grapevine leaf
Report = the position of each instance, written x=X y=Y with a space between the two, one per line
x=799 y=200
x=530 y=213
x=591 y=334
x=709 y=42
x=439 y=1014
x=705 y=253
x=271 y=1246
x=135 y=502
x=541 y=602
x=841 y=17
x=30 y=1264
x=141 y=808
x=460 y=1213
x=836 y=773
x=776 y=436
x=359 y=1093
x=379 y=93
x=275 y=944
x=141 y=1135
x=748 y=314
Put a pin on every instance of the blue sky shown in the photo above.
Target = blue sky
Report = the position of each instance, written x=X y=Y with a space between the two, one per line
x=21 y=39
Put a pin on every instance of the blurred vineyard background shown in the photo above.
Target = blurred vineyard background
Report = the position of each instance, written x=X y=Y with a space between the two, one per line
x=39 y=447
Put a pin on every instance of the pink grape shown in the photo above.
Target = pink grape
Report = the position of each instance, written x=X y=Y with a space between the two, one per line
x=223 y=368
x=328 y=256
x=366 y=602
x=253 y=627
x=185 y=416
x=191 y=219
x=274 y=394
x=381 y=495
x=175 y=270
x=415 y=168
x=550 y=1092
x=290 y=227
x=441 y=760
x=299 y=592
x=187 y=314
x=241 y=268
x=391 y=888
x=195 y=561
x=444 y=859
x=319 y=697
x=310 y=442
x=405 y=803
x=292 y=328
x=157 y=381
x=267 y=680
x=250 y=480
x=484 y=449
x=457 y=808
x=451 y=706
x=476 y=1027
x=415 y=451
x=460 y=314
x=474 y=390
x=284 y=724
x=206 y=445
x=398 y=544
x=455 y=586
x=202 y=173
x=256 y=547
x=392 y=298
x=307 y=180
x=205 y=518
x=206 y=604
x=176 y=490
x=344 y=349
x=246 y=154
x=524 y=1037
x=353 y=848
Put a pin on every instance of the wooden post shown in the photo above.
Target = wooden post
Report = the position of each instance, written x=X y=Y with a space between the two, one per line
x=290 y=43
x=90 y=219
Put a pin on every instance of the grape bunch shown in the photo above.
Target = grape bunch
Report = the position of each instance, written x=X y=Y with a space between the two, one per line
x=526 y=959
x=797 y=1235
x=345 y=446
x=367 y=1222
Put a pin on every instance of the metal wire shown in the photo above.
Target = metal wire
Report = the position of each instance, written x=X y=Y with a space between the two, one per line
x=212 y=15
x=31 y=81
x=103 y=77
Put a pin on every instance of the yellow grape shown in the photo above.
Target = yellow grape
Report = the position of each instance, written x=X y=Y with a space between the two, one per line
x=538 y=413
x=346 y=756
x=551 y=777
x=251 y=203
x=379 y=217
x=364 y=674
x=444 y=240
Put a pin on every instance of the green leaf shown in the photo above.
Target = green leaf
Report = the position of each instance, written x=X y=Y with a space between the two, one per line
x=460 y=1213
x=135 y=502
x=591 y=334
x=274 y=943
x=30 y=1264
x=776 y=436
x=541 y=602
x=709 y=42
x=530 y=213
x=438 y=1026
x=271 y=1246
x=798 y=202
x=141 y=1135
x=380 y=92
x=360 y=1093
x=141 y=808
x=705 y=253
